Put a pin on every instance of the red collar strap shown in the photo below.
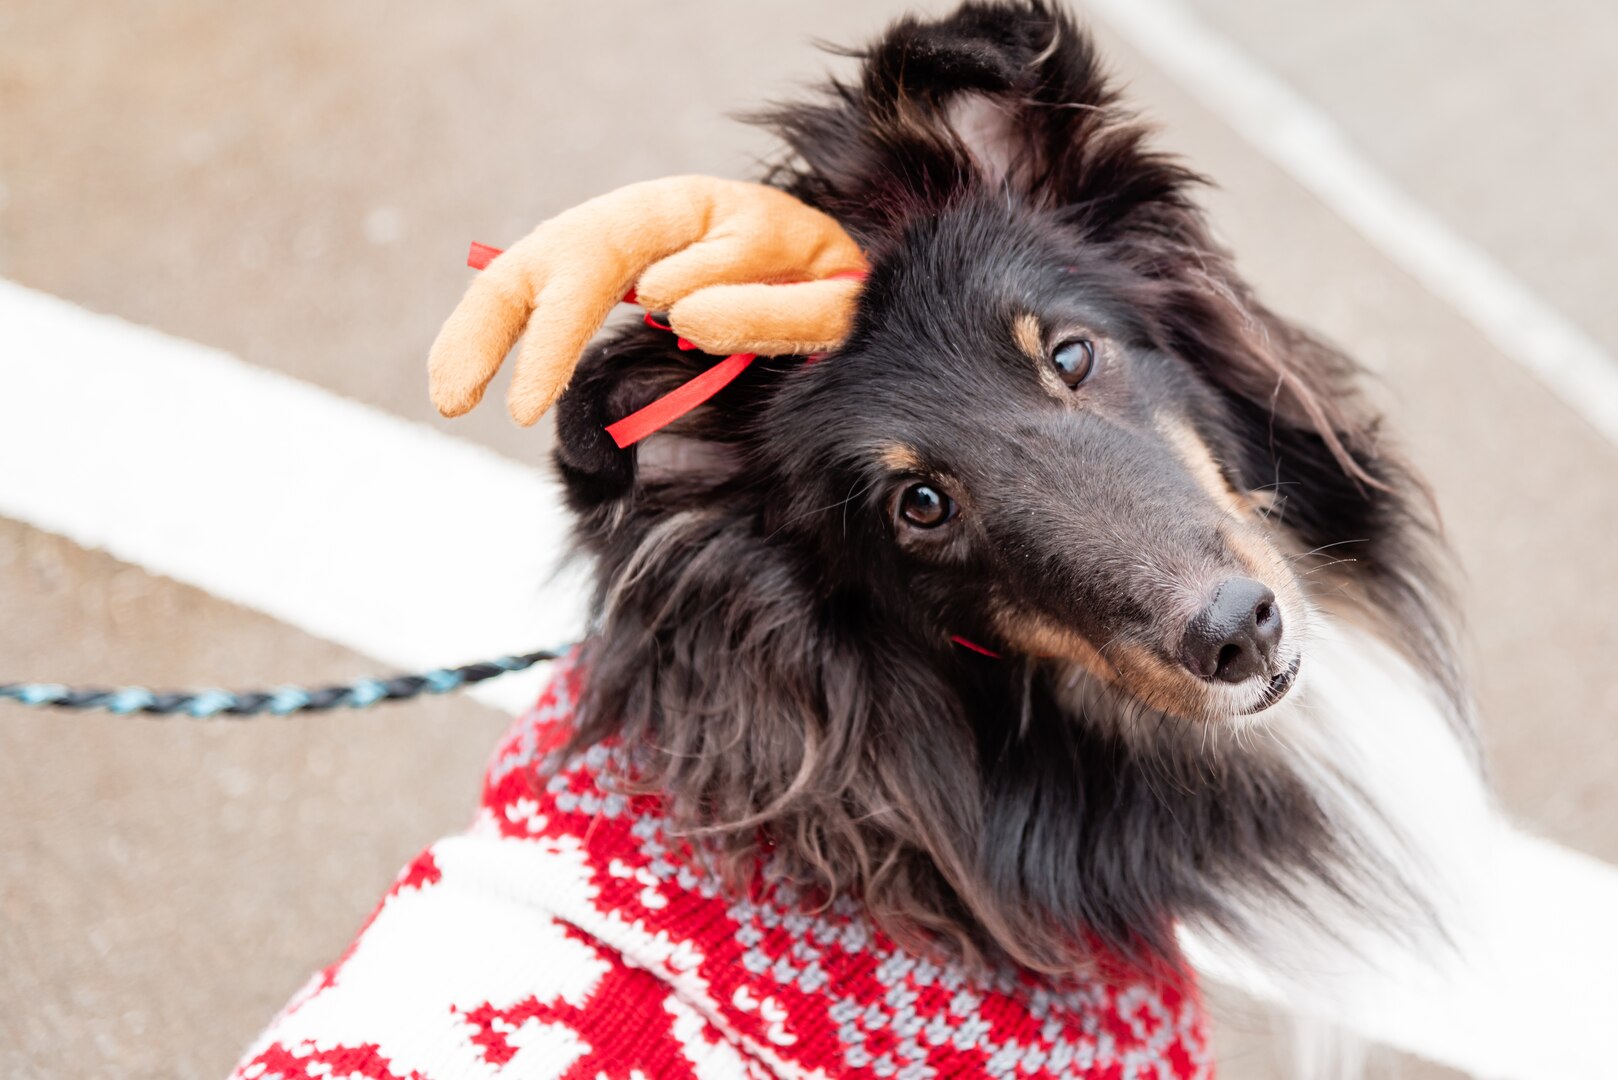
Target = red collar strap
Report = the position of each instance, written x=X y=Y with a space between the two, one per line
x=975 y=647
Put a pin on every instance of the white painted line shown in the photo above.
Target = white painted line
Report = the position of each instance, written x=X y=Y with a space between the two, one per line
x=418 y=549
x=414 y=547
x=1302 y=139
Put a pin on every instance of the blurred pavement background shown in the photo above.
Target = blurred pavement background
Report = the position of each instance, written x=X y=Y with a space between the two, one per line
x=296 y=184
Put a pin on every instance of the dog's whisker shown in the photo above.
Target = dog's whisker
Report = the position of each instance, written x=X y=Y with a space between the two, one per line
x=1326 y=547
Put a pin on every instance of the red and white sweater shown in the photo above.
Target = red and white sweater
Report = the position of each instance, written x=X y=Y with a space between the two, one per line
x=566 y=935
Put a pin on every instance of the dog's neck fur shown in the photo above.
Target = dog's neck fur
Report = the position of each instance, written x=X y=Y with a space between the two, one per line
x=1305 y=829
x=1381 y=744
x=1313 y=823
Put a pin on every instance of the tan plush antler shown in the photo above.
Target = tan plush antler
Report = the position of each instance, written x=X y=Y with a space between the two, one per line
x=739 y=267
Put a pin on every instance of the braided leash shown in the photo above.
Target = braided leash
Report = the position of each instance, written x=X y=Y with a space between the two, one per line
x=283 y=701
x=287 y=700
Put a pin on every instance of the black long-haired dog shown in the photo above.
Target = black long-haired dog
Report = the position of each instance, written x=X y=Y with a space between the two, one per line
x=1068 y=600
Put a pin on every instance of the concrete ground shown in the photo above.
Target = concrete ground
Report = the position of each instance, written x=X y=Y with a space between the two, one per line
x=296 y=185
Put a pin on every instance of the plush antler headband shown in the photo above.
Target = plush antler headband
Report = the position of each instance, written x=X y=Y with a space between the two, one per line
x=740 y=268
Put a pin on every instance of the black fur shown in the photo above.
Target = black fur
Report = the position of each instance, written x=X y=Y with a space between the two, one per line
x=777 y=644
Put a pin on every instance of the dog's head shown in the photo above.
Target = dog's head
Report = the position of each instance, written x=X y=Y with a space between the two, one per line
x=1064 y=432
x=1035 y=465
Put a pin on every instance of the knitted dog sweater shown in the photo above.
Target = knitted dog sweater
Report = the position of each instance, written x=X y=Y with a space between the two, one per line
x=567 y=934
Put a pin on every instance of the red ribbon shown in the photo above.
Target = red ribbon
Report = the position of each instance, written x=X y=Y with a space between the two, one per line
x=975 y=647
x=679 y=401
x=481 y=255
x=672 y=405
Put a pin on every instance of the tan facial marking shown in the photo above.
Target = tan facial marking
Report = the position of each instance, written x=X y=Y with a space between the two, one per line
x=1036 y=636
x=1258 y=558
x=1199 y=460
x=1245 y=538
x=900 y=458
x=1030 y=339
x=1159 y=684
x=1132 y=667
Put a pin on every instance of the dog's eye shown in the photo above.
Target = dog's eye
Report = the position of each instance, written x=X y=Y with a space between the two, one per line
x=1074 y=360
x=925 y=507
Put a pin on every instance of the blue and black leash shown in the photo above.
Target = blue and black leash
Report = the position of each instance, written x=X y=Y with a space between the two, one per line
x=283 y=701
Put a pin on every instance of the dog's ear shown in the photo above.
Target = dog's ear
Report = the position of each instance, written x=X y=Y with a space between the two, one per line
x=625 y=371
x=996 y=96
x=1297 y=394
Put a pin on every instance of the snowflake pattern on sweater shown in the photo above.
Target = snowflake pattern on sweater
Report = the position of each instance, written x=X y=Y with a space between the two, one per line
x=567 y=935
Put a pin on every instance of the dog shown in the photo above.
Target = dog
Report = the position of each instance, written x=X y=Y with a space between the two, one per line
x=1077 y=601
x=1064 y=431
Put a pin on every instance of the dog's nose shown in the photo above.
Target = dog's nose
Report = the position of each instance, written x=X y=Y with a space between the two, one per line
x=1234 y=638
